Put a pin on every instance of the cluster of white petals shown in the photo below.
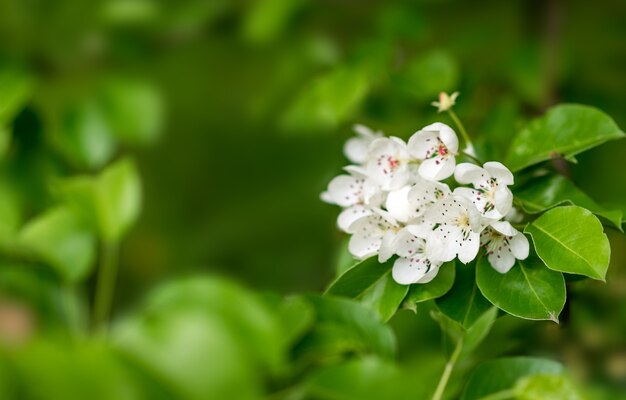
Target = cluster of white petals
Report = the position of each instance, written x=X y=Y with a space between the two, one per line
x=395 y=204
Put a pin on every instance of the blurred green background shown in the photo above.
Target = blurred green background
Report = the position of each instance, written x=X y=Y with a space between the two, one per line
x=236 y=112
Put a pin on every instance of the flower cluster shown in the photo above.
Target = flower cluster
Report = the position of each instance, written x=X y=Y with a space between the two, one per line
x=395 y=203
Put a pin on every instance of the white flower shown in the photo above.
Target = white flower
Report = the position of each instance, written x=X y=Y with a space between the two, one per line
x=445 y=101
x=368 y=234
x=355 y=193
x=490 y=194
x=356 y=148
x=413 y=265
x=388 y=164
x=514 y=215
x=503 y=244
x=457 y=232
x=424 y=194
x=436 y=145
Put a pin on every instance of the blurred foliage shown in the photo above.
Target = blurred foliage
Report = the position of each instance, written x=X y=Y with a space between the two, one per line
x=235 y=113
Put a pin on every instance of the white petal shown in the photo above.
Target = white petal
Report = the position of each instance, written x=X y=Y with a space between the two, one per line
x=356 y=171
x=346 y=190
x=469 y=248
x=350 y=215
x=364 y=243
x=409 y=270
x=326 y=197
x=407 y=245
x=430 y=275
x=500 y=172
x=504 y=227
x=398 y=204
x=501 y=261
x=519 y=246
x=422 y=230
x=446 y=134
x=443 y=245
x=422 y=143
x=503 y=200
x=387 y=247
x=355 y=149
x=466 y=173
x=387 y=165
x=437 y=168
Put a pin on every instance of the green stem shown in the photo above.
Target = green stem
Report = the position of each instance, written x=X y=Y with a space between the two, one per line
x=105 y=288
x=445 y=377
x=468 y=143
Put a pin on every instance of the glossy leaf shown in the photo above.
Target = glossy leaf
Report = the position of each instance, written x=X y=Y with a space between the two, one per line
x=552 y=190
x=61 y=238
x=463 y=303
x=565 y=130
x=385 y=297
x=508 y=371
x=436 y=288
x=358 y=279
x=571 y=239
x=110 y=201
x=529 y=290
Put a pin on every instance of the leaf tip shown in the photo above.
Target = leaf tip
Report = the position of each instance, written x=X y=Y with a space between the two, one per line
x=553 y=317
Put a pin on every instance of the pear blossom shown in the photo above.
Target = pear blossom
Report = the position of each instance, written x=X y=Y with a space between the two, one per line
x=356 y=148
x=436 y=145
x=355 y=193
x=414 y=264
x=368 y=234
x=490 y=194
x=457 y=232
x=388 y=164
x=445 y=101
x=503 y=245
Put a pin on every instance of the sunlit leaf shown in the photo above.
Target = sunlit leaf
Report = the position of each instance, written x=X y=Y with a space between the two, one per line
x=571 y=239
x=529 y=290
x=565 y=130
x=385 y=297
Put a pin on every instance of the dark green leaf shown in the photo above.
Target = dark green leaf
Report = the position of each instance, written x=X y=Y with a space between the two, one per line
x=385 y=297
x=359 y=278
x=463 y=303
x=565 y=130
x=433 y=289
x=529 y=290
x=16 y=87
x=571 y=239
x=552 y=190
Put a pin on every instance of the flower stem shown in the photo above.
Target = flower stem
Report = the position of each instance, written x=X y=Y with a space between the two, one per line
x=106 y=285
x=443 y=381
x=468 y=143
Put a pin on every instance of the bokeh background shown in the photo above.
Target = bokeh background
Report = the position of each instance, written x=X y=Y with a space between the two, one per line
x=245 y=106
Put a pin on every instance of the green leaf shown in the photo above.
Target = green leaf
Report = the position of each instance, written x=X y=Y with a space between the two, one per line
x=565 y=130
x=463 y=303
x=359 y=278
x=529 y=290
x=133 y=109
x=266 y=19
x=552 y=190
x=502 y=374
x=110 y=201
x=61 y=238
x=16 y=88
x=546 y=386
x=473 y=336
x=571 y=239
x=436 y=288
x=342 y=326
x=385 y=297
x=425 y=75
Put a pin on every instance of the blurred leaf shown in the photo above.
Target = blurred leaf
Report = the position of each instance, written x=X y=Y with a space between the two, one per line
x=529 y=290
x=188 y=325
x=265 y=20
x=496 y=129
x=329 y=101
x=526 y=74
x=436 y=288
x=63 y=240
x=83 y=135
x=16 y=86
x=471 y=337
x=5 y=141
x=366 y=378
x=546 y=386
x=134 y=110
x=565 y=130
x=552 y=190
x=342 y=326
x=111 y=200
x=426 y=75
x=10 y=213
x=502 y=374
x=344 y=260
x=385 y=297
x=463 y=303
x=571 y=239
